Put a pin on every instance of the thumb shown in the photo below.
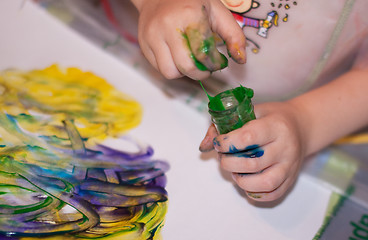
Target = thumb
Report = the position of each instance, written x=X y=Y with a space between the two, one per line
x=207 y=143
x=224 y=24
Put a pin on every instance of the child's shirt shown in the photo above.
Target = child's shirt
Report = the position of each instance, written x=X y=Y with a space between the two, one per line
x=296 y=45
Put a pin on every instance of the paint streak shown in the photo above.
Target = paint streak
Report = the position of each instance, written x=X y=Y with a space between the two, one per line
x=253 y=151
x=200 y=66
x=208 y=96
x=58 y=178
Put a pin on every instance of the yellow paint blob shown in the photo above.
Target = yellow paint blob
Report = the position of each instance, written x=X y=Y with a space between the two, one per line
x=97 y=108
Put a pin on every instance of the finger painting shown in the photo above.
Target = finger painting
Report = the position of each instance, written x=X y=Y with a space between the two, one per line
x=59 y=177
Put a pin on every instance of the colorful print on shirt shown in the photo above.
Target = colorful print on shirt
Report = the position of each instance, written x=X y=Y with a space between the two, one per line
x=240 y=9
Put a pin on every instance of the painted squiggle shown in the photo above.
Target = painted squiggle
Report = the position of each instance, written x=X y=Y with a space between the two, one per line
x=57 y=177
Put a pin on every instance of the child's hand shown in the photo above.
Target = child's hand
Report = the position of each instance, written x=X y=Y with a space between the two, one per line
x=264 y=155
x=171 y=31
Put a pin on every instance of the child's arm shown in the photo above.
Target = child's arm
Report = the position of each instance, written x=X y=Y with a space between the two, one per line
x=286 y=132
x=334 y=110
x=164 y=23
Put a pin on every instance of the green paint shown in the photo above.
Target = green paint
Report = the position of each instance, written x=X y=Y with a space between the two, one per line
x=207 y=46
x=229 y=53
x=231 y=109
x=197 y=63
x=209 y=97
x=74 y=136
x=225 y=63
x=335 y=203
x=240 y=93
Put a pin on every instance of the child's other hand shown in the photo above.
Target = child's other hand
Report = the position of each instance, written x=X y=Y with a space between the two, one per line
x=265 y=155
x=164 y=23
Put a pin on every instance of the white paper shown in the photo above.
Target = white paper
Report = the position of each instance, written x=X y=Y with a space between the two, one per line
x=203 y=202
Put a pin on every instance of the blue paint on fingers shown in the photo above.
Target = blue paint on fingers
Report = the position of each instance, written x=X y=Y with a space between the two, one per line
x=252 y=151
x=216 y=142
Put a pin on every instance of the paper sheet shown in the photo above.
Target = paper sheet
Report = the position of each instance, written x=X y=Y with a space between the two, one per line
x=203 y=202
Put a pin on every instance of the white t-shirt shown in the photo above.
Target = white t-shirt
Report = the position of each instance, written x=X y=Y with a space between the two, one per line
x=314 y=42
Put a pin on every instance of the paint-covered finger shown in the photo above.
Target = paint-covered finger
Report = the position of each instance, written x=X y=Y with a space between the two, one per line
x=201 y=41
x=229 y=30
x=251 y=161
x=207 y=143
x=183 y=57
x=255 y=134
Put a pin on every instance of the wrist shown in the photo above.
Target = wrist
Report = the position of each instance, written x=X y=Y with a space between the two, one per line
x=304 y=125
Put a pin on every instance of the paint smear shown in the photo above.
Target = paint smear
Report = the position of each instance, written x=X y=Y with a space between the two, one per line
x=58 y=177
x=201 y=43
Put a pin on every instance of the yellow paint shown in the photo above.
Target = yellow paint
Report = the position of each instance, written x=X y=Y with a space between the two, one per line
x=40 y=101
x=276 y=20
x=98 y=110
x=240 y=54
x=255 y=50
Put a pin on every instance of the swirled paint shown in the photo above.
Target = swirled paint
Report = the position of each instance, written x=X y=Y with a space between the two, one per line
x=58 y=178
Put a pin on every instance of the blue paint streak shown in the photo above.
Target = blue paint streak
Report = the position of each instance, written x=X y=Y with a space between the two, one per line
x=252 y=151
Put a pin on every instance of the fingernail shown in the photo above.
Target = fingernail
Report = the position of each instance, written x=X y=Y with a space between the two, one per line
x=254 y=195
x=241 y=55
x=238 y=54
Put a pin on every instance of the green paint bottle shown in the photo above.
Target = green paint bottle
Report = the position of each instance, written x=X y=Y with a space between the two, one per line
x=231 y=109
